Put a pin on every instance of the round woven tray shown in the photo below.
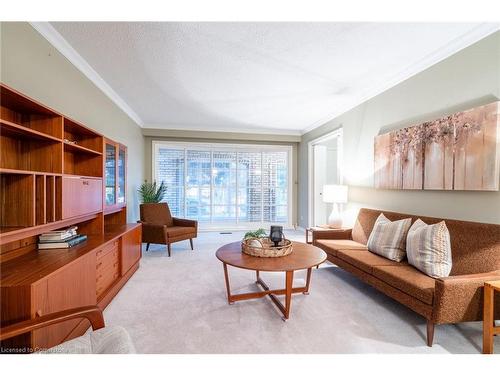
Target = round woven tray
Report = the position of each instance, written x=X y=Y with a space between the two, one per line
x=267 y=250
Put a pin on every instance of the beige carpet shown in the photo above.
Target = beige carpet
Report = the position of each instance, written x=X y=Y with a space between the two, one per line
x=178 y=305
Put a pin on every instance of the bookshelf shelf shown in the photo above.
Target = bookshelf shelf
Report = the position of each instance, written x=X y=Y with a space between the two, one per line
x=77 y=148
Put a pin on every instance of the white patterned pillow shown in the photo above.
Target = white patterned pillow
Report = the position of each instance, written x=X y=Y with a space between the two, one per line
x=388 y=238
x=429 y=249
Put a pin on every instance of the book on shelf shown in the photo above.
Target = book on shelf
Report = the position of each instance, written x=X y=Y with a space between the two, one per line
x=58 y=235
x=62 y=244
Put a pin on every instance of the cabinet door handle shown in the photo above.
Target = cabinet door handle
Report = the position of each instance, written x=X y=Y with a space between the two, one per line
x=86 y=183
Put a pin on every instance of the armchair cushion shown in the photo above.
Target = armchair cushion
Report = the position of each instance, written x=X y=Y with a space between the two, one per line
x=109 y=340
x=179 y=231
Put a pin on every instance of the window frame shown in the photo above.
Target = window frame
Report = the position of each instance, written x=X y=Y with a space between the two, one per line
x=230 y=147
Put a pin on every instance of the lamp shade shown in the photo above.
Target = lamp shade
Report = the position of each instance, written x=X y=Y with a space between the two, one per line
x=335 y=193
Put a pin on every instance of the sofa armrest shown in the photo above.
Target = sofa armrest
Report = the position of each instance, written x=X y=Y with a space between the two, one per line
x=334 y=234
x=460 y=298
x=185 y=222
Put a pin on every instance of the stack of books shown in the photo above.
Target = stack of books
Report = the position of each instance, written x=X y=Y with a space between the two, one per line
x=60 y=239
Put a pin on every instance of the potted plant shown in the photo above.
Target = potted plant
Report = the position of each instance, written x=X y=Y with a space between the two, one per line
x=150 y=192
x=254 y=237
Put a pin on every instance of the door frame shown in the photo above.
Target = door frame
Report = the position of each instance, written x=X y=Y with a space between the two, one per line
x=310 y=160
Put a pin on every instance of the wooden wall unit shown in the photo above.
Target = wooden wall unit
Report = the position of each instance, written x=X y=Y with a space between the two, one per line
x=52 y=172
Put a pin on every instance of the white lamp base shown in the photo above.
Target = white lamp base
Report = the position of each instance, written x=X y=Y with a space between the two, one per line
x=335 y=218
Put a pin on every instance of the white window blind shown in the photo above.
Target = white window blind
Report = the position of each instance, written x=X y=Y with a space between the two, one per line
x=225 y=186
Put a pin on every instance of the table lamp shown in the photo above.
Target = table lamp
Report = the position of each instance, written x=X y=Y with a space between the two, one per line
x=335 y=194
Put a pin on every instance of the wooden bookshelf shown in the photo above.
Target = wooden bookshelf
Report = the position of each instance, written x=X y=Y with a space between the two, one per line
x=52 y=175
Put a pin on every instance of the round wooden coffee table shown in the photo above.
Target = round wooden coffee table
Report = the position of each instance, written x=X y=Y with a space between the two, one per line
x=304 y=256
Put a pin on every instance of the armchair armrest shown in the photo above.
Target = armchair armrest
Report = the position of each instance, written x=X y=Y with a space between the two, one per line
x=185 y=222
x=153 y=233
x=92 y=313
x=460 y=298
x=333 y=234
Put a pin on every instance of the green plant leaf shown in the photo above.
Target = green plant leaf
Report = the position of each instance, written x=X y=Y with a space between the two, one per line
x=149 y=192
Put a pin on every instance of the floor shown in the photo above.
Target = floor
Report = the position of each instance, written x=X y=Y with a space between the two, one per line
x=178 y=305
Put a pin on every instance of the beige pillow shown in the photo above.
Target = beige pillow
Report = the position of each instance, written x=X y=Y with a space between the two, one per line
x=388 y=238
x=428 y=248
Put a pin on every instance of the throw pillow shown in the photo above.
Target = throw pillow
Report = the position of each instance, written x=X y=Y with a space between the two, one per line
x=388 y=238
x=428 y=248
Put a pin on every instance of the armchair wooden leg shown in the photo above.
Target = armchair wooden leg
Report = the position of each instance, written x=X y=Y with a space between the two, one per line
x=430 y=333
x=169 y=249
x=191 y=242
x=147 y=246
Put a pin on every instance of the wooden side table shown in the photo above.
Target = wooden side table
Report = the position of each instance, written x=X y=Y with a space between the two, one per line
x=489 y=329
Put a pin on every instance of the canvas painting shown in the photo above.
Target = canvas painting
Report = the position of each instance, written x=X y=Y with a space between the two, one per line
x=456 y=152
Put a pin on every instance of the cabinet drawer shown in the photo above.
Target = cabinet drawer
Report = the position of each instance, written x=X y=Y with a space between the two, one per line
x=106 y=279
x=107 y=261
x=105 y=250
x=81 y=196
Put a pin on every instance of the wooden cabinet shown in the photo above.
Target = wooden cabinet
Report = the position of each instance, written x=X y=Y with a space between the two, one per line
x=54 y=173
x=80 y=196
x=131 y=249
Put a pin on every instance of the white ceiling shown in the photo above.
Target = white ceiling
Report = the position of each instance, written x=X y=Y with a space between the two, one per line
x=252 y=77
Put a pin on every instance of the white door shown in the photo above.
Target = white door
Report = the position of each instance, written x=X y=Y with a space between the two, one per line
x=325 y=173
x=319 y=163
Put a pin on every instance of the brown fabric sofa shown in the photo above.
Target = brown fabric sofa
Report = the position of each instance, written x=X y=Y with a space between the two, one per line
x=457 y=298
x=158 y=226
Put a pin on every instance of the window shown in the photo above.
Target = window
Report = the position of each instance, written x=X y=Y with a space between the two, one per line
x=225 y=186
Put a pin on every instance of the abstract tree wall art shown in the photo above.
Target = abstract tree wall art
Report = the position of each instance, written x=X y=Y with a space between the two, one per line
x=456 y=152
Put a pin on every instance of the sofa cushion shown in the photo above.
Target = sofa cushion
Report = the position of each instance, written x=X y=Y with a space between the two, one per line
x=332 y=246
x=428 y=248
x=409 y=280
x=365 y=260
x=180 y=231
x=388 y=238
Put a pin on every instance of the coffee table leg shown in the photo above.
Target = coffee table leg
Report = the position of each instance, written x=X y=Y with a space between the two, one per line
x=257 y=275
x=228 y=288
x=288 y=294
x=308 y=281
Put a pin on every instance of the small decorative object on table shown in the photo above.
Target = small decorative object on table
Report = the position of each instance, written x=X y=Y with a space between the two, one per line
x=257 y=244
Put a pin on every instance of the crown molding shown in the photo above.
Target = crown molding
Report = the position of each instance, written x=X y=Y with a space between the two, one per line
x=220 y=129
x=57 y=40
x=480 y=32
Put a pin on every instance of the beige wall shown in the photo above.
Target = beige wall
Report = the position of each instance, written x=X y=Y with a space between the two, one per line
x=222 y=137
x=464 y=80
x=31 y=65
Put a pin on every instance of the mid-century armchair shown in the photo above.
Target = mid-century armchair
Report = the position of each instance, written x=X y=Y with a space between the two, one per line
x=103 y=340
x=158 y=226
